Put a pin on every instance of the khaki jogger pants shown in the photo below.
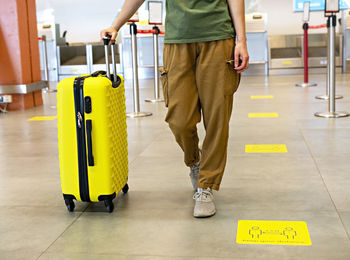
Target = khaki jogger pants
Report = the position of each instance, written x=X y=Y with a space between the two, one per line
x=197 y=77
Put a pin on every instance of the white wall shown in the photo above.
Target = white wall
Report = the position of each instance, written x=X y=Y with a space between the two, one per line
x=83 y=19
x=282 y=20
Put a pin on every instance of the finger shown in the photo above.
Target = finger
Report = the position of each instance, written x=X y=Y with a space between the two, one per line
x=240 y=67
x=114 y=36
x=236 y=58
x=244 y=65
x=244 y=69
x=104 y=33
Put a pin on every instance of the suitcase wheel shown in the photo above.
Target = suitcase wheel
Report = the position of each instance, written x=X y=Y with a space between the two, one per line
x=109 y=205
x=70 y=204
x=126 y=188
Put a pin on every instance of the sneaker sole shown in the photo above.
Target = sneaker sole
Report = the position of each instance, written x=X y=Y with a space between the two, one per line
x=206 y=216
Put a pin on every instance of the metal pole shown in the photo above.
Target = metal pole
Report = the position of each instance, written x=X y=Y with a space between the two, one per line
x=114 y=66
x=332 y=22
x=107 y=60
x=135 y=79
x=135 y=76
x=306 y=54
x=326 y=97
x=156 y=67
x=46 y=66
x=331 y=104
x=306 y=59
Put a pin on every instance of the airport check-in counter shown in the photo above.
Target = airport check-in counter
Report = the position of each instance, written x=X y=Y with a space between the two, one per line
x=286 y=52
x=257 y=44
x=74 y=60
x=98 y=61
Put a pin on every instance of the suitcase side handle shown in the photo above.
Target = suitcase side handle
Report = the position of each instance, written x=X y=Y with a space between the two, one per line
x=89 y=142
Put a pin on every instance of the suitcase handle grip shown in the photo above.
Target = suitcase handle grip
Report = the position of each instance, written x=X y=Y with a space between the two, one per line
x=89 y=142
x=106 y=39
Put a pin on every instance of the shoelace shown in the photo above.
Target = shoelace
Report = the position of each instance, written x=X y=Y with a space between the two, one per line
x=204 y=196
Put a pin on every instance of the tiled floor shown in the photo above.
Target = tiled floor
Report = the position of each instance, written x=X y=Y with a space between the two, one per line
x=154 y=220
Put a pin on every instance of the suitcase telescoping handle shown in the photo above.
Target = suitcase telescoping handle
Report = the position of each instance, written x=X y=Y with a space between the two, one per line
x=106 y=41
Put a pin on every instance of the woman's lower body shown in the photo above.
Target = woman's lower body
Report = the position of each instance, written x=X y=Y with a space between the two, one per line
x=198 y=78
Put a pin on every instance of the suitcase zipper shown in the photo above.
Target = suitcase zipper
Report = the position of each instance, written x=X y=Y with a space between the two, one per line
x=80 y=126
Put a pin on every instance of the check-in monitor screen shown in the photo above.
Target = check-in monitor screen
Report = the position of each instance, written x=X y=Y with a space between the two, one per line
x=332 y=6
x=318 y=5
x=307 y=11
x=155 y=9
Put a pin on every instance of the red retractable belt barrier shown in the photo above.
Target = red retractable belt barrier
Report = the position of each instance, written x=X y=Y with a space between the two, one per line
x=149 y=31
x=318 y=26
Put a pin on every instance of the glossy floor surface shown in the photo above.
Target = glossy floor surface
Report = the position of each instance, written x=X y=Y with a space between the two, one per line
x=154 y=220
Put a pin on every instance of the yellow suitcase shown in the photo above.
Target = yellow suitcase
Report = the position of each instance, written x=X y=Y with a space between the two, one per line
x=92 y=137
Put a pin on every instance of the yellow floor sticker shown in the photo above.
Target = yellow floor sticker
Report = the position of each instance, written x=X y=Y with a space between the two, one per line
x=287 y=63
x=262 y=115
x=266 y=148
x=262 y=97
x=42 y=118
x=273 y=232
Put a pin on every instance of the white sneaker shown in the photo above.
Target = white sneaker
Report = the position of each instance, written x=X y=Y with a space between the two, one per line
x=204 y=203
x=194 y=175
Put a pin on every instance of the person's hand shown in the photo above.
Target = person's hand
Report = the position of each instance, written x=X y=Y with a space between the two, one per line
x=111 y=31
x=241 y=54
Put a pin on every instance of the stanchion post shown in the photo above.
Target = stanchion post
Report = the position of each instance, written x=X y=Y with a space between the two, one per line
x=306 y=53
x=332 y=22
x=306 y=82
x=326 y=97
x=157 y=98
x=135 y=77
x=46 y=65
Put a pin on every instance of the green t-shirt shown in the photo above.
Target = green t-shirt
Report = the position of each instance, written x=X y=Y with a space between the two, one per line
x=197 y=21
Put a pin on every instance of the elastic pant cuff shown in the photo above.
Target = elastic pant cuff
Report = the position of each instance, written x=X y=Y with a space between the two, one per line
x=208 y=185
x=193 y=163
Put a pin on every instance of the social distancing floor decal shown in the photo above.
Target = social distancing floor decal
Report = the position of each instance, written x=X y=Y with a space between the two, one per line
x=273 y=232
x=262 y=115
x=262 y=97
x=266 y=148
x=42 y=118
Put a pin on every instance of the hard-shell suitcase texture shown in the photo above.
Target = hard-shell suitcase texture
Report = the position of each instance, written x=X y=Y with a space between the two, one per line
x=92 y=137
